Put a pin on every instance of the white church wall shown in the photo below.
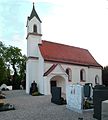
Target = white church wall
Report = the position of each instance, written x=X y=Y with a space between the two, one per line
x=47 y=90
x=32 y=73
x=32 y=46
x=31 y=23
x=41 y=73
x=47 y=65
x=62 y=83
x=90 y=72
x=76 y=72
x=46 y=87
x=60 y=79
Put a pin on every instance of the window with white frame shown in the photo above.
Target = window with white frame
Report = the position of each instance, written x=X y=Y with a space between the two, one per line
x=82 y=75
x=35 y=28
x=69 y=73
x=96 y=79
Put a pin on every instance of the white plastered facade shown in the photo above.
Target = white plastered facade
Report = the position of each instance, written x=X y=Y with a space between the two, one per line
x=90 y=74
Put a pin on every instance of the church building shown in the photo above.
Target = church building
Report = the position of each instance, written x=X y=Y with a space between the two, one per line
x=55 y=64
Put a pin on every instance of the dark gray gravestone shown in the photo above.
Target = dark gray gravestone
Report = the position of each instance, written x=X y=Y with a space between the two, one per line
x=100 y=94
x=87 y=90
x=56 y=95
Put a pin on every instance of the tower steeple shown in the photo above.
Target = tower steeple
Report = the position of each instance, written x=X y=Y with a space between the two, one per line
x=34 y=24
x=34 y=14
x=33 y=53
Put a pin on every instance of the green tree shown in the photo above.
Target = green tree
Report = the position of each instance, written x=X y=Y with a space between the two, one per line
x=2 y=63
x=22 y=68
x=15 y=58
x=11 y=59
x=2 y=71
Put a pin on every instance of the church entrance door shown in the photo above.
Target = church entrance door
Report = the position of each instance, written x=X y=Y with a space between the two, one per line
x=58 y=81
x=53 y=84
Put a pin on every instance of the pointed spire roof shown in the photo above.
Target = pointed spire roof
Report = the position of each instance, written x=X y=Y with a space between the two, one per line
x=34 y=13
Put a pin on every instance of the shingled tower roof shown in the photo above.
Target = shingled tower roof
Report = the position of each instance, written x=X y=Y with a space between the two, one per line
x=34 y=14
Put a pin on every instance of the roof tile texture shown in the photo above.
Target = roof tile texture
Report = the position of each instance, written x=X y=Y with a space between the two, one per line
x=66 y=54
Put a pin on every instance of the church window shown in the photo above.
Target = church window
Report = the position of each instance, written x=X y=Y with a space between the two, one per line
x=96 y=79
x=35 y=28
x=82 y=75
x=69 y=73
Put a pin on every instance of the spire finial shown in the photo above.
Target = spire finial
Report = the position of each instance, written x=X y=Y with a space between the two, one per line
x=33 y=13
x=33 y=3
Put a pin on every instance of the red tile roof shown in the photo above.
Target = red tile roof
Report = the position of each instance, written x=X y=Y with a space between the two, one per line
x=66 y=54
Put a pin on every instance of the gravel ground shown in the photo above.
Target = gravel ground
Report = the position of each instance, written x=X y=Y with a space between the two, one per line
x=38 y=108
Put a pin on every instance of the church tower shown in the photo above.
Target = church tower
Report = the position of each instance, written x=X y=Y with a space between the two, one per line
x=33 y=40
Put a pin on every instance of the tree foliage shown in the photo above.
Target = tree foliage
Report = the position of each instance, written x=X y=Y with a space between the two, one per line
x=13 y=56
x=2 y=71
x=11 y=59
x=2 y=63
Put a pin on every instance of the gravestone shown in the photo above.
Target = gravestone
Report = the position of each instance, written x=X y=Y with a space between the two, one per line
x=34 y=89
x=88 y=90
x=3 y=87
x=105 y=110
x=56 y=96
x=100 y=93
x=74 y=97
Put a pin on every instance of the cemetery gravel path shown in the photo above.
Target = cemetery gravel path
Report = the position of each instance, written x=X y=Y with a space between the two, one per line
x=38 y=108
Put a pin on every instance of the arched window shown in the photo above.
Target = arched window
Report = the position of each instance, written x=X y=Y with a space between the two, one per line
x=82 y=75
x=96 y=79
x=35 y=28
x=69 y=73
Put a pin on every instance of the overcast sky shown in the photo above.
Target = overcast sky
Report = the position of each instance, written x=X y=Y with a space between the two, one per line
x=80 y=23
